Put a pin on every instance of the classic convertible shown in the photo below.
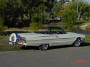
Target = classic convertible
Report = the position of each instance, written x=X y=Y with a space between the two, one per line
x=54 y=36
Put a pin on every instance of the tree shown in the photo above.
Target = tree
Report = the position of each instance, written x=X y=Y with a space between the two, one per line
x=3 y=6
x=1 y=25
x=86 y=12
x=2 y=14
x=38 y=16
x=57 y=7
x=69 y=17
x=81 y=9
x=22 y=10
x=13 y=12
x=37 y=12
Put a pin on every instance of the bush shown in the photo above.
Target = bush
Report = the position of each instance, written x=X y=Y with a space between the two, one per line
x=34 y=27
x=70 y=16
x=70 y=27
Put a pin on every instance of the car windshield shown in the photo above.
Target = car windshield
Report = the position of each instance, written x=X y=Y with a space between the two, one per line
x=52 y=30
x=57 y=30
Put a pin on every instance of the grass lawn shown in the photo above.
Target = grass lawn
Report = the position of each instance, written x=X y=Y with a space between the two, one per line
x=4 y=46
x=87 y=38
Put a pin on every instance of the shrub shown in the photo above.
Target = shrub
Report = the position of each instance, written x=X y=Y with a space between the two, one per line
x=70 y=16
x=34 y=27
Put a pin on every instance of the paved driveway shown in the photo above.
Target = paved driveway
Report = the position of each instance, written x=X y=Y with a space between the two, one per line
x=59 y=57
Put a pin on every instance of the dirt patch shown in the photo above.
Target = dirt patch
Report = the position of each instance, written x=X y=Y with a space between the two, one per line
x=88 y=28
x=85 y=27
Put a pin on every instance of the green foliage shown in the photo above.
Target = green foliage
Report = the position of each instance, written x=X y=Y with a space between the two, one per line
x=63 y=1
x=83 y=8
x=37 y=13
x=70 y=27
x=34 y=27
x=38 y=19
x=86 y=13
x=69 y=16
x=56 y=9
x=3 y=3
x=24 y=10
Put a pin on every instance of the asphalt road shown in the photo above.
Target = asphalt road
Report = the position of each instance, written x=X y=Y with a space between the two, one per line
x=55 y=57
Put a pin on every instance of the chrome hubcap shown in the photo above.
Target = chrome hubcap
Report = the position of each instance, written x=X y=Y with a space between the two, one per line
x=77 y=43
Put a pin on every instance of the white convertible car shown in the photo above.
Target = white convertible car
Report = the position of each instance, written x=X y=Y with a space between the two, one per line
x=54 y=36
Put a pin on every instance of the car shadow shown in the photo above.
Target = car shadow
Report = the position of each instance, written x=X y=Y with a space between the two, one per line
x=59 y=47
x=85 y=44
x=68 y=46
x=54 y=47
x=29 y=48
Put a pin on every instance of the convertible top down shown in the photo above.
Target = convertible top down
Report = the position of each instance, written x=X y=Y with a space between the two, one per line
x=54 y=36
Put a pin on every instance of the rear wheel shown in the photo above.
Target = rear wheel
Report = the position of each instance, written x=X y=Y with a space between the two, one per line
x=44 y=47
x=77 y=43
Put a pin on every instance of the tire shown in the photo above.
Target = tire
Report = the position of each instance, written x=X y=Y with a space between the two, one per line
x=43 y=47
x=77 y=43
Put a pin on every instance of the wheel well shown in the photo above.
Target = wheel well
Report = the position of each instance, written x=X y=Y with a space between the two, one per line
x=41 y=46
x=78 y=38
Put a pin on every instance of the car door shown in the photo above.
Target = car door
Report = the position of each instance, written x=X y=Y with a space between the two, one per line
x=45 y=38
x=65 y=39
x=50 y=38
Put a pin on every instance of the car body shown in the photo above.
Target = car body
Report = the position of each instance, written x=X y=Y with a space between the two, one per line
x=54 y=36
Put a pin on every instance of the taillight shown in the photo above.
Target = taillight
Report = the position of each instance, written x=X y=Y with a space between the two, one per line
x=22 y=39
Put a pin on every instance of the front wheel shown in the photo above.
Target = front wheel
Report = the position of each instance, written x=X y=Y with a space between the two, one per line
x=77 y=43
x=44 y=47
